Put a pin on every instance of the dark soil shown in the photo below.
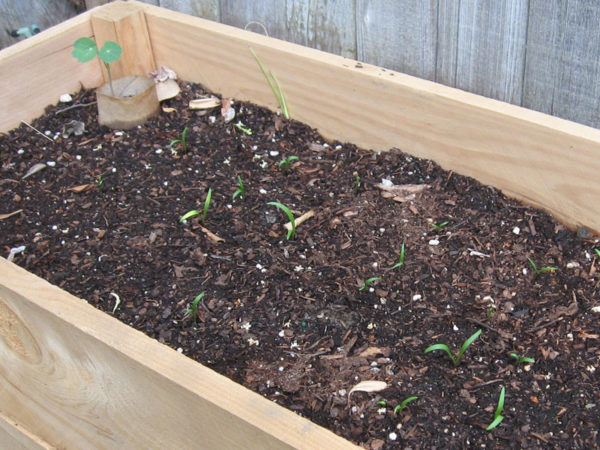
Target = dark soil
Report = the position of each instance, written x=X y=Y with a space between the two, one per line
x=286 y=318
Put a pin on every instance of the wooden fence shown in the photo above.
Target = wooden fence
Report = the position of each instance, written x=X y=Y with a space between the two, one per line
x=541 y=54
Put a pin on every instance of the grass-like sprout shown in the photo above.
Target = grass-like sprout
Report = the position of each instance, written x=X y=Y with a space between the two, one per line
x=274 y=85
x=193 y=308
x=368 y=282
x=597 y=252
x=522 y=359
x=400 y=262
x=241 y=190
x=538 y=271
x=490 y=312
x=240 y=126
x=438 y=227
x=399 y=408
x=463 y=348
x=292 y=231
x=195 y=212
x=285 y=162
x=498 y=417
x=99 y=182
x=357 y=182
x=85 y=50
x=181 y=141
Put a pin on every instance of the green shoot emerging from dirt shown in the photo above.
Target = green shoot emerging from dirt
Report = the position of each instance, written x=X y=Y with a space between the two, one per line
x=368 y=283
x=240 y=126
x=195 y=212
x=356 y=182
x=274 y=85
x=193 y=308
x=597 y=252
x=85 y=50
x=498 y=417
x=490 y=312
x=537 y=272
x=285 y=162
x=438 y=227
x=463 y=349
x=522 y=359
x=182 y=141
x=241 y=190
x=400 y=262
x=399 y=408
x=292 y=231
x=99 y=182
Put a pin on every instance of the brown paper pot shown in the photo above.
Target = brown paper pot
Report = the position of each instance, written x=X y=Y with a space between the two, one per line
x=134 y=102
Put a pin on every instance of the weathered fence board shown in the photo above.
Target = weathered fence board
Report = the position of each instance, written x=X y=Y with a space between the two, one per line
x=541 y=54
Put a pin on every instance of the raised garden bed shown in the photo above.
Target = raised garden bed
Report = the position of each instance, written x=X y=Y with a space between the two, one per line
x=72 y=375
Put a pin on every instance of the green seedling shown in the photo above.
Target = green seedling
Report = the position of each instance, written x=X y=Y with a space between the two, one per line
x=193 y=308
x=368 y=282
x=438 y=227
x=498 y=417
x=292 y=231
x=241 y=190
x=195 y=212
x=463 y=349
x=357 y=183
x=398 y=408
x=490 y=312
x=597 y=252
x=240 y=126
x=99 y=182
x=522 y=359
x=285 y=162
x=85 y=50
x=537 y=272
x=181 y=141
x=400 y=262
x=274 y=85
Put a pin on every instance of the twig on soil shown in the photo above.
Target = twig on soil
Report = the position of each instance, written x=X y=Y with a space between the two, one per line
x=37 y=131
x=303 y=218
x=552 y=322
x=504 y=334
x=485 y=383
x=78 y=105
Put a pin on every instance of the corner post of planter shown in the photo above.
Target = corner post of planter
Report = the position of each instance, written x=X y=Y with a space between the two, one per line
x=125 y=24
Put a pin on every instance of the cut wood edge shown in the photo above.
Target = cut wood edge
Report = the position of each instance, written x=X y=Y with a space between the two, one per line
x=13 y=436
x=77 y=377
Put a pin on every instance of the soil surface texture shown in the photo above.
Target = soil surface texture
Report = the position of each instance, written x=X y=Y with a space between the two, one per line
x=303 y=321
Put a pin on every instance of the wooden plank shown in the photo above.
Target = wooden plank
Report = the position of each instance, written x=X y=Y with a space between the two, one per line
x=327 y=26
x=269 y=13
x=24 y=13
x=81 y=379
x=13 y=436
x=125 y=24
x=399 y=35
x=207 y=9
x=563 y=60
x=491 y=48
x=35 y=72
x=545 y=161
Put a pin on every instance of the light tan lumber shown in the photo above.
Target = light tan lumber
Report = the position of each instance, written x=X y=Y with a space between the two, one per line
x=14 y=437
x=36 y=71
x=79 y=378
x=545 y=161
x=125 y=24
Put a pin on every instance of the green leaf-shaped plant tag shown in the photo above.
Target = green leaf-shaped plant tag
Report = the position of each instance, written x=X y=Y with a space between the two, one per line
x=110 y=52
x=84 y=49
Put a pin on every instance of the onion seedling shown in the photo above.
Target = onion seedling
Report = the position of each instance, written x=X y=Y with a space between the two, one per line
x=193 y=308
x=356 y=182
x=537 y=272
x=241 y=190
x=399 y=408
x=285 y=162
x=292 y=231
x=182 y=141
x=240 y=126
x=400 y=262
x=85 y=49
x=597 y=252
x=274 y=85
x=498 y=417
x=195 y=212
x=463 y=348
x=438 y=227
x=368 y=282
x=522 y=359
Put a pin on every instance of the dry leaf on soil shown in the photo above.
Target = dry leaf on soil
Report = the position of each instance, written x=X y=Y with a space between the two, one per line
x=368 y=386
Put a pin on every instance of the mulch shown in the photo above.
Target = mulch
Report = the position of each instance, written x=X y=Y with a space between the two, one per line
x=288 y=318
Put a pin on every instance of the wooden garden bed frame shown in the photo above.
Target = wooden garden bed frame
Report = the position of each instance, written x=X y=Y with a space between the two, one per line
x=74 y=377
